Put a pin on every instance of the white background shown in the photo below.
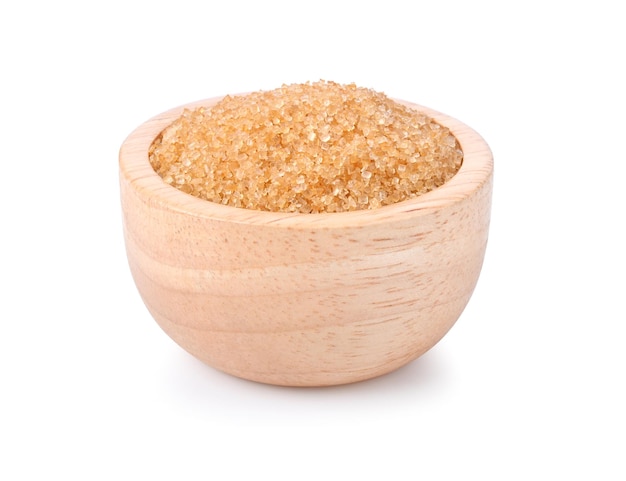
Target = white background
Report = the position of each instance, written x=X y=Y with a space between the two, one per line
x=529 y=384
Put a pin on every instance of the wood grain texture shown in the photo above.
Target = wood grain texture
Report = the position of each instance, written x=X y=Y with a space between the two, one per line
x=305 y=299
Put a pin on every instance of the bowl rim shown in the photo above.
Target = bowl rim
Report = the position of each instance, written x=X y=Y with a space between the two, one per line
x=137 y=172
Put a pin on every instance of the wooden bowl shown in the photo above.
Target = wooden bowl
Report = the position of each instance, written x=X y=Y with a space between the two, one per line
x=305 y=299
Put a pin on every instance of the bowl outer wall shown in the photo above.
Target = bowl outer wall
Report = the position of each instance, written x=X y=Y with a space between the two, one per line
x=305 y=299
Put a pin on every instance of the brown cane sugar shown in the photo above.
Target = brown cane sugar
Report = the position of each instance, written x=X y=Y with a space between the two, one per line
x=308 y=148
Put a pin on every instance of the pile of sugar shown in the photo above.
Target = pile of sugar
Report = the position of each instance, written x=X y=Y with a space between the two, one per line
x=309 y=148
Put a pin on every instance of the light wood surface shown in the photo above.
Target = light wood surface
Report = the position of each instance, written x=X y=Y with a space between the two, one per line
x=305 y=299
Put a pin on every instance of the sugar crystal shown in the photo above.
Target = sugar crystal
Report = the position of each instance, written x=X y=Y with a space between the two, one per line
x=309 y=148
